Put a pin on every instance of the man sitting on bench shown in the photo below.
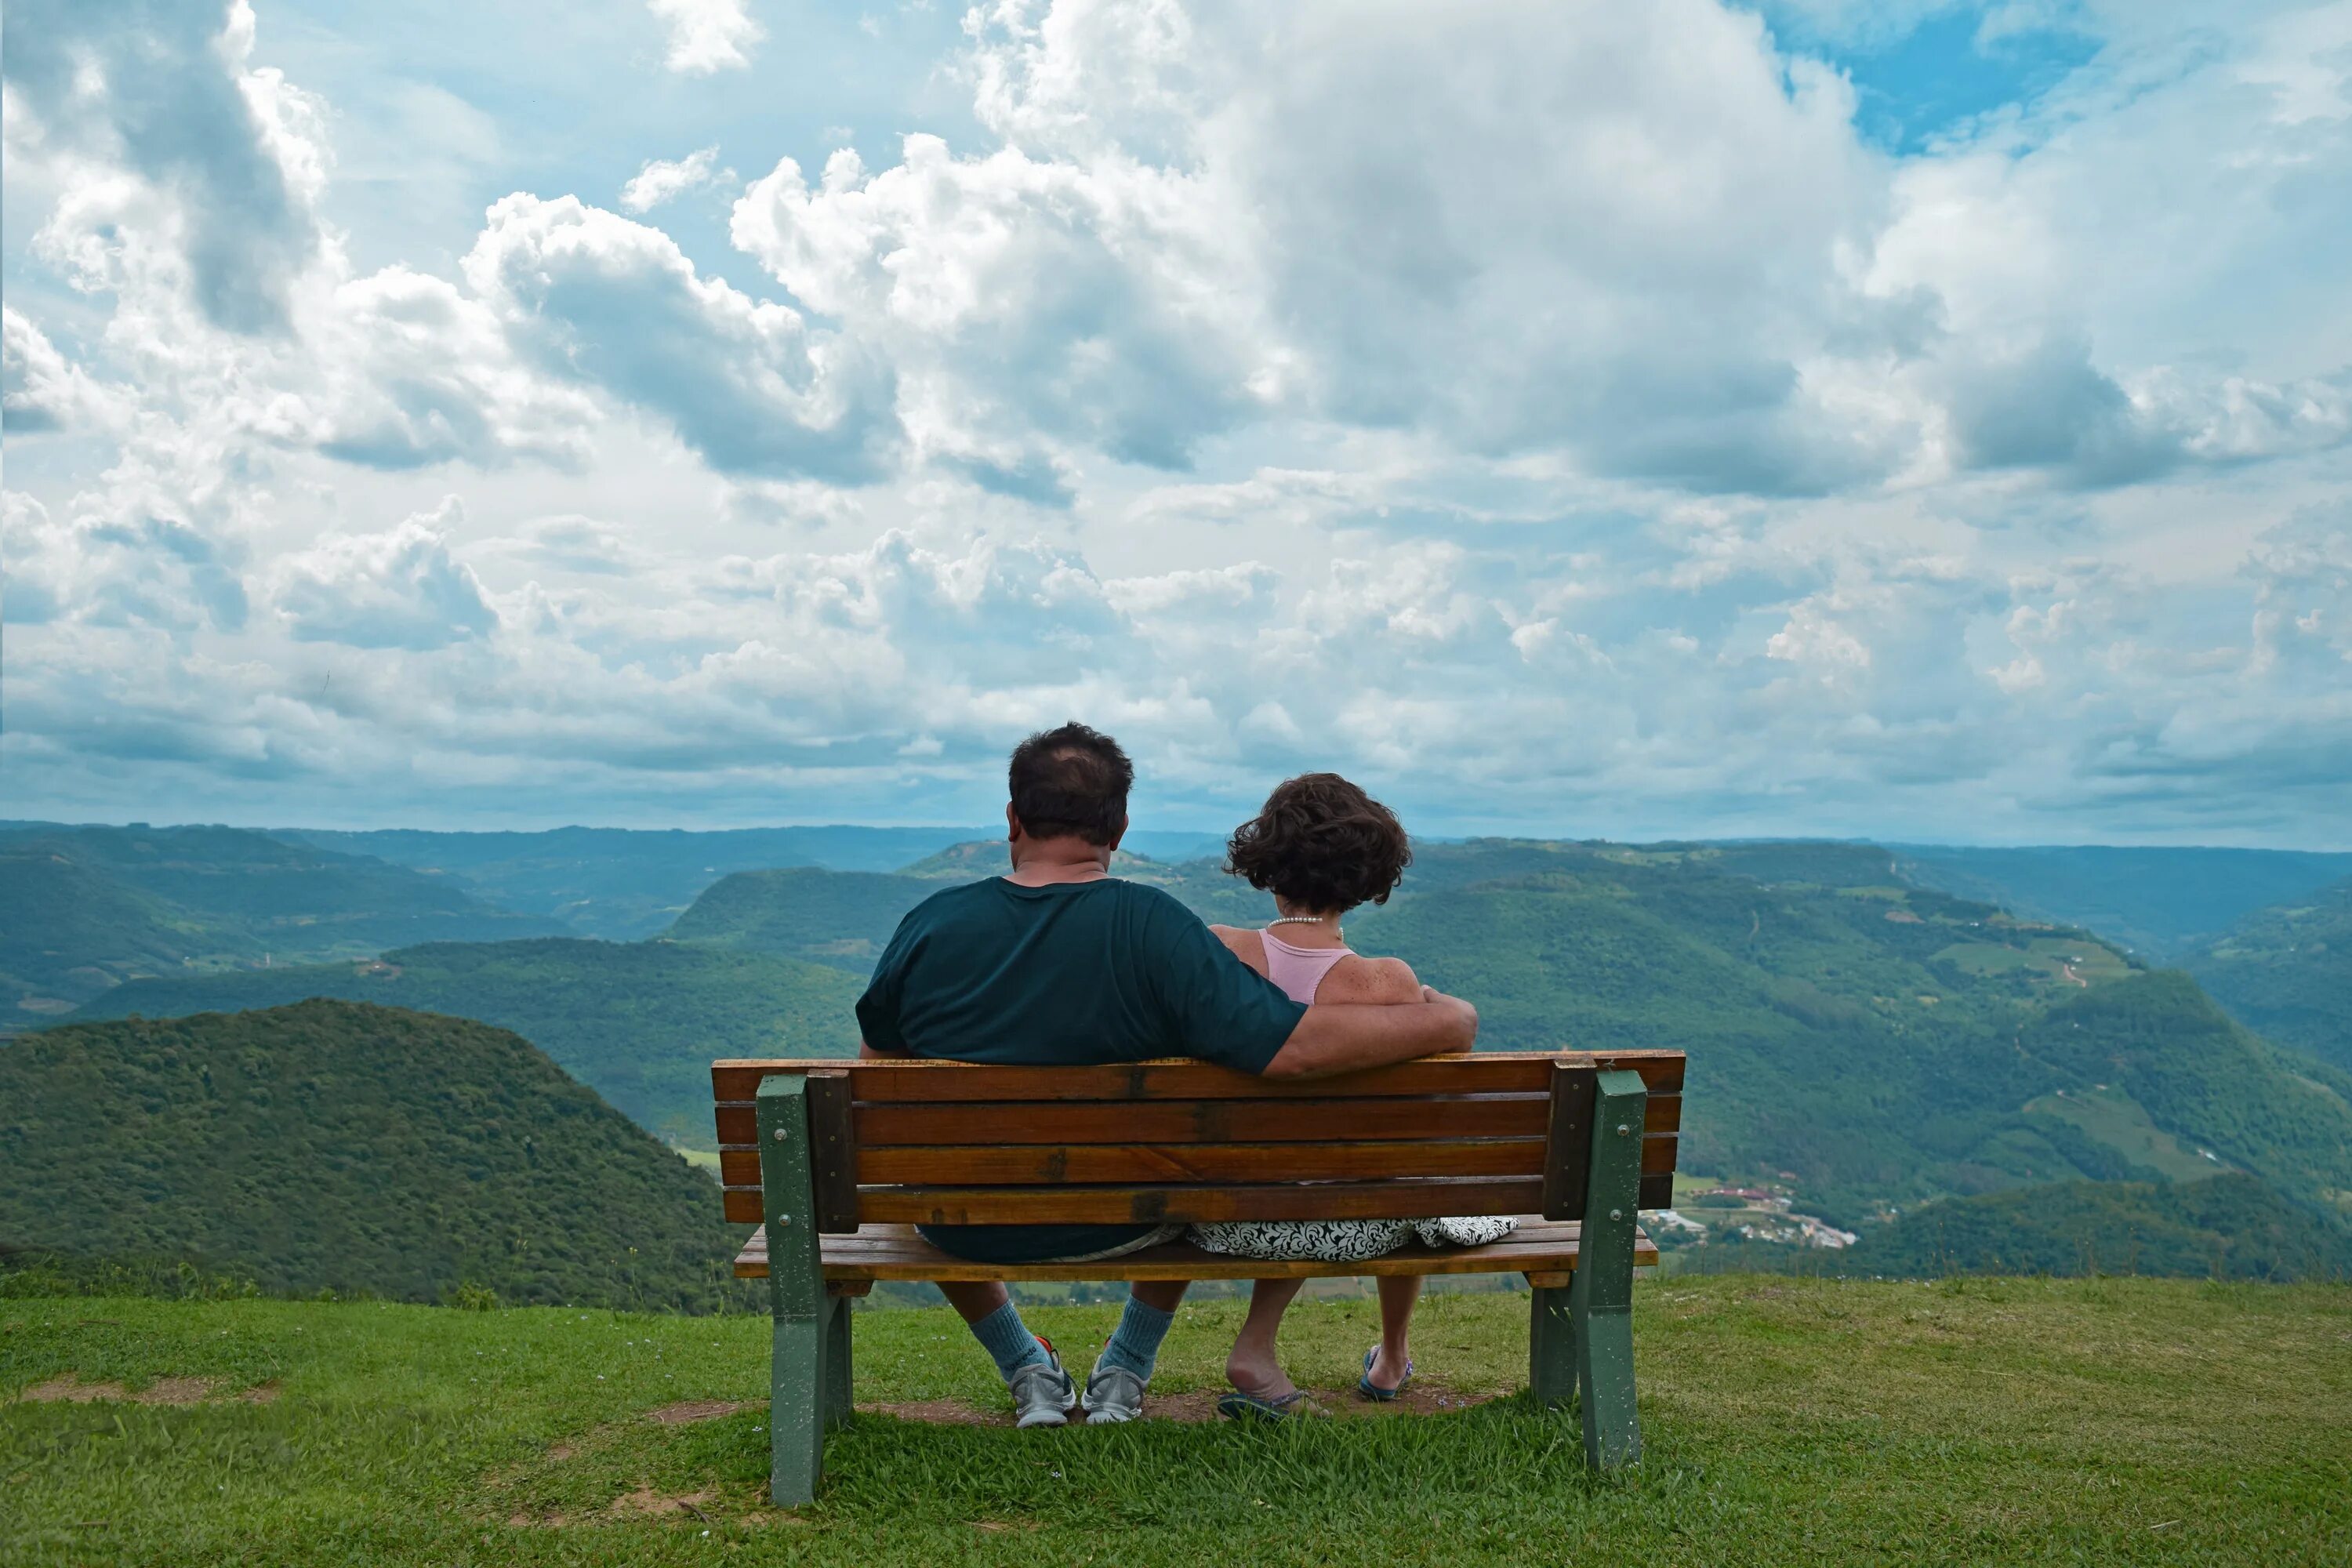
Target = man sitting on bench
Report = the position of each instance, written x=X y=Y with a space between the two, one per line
x=1062 y=964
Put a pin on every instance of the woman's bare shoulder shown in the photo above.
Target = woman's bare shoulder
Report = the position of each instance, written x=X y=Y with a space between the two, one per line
x=1248 y=945
x=1378 y=981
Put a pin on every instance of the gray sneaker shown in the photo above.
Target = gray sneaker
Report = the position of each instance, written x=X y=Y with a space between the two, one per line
x=1113 y=1394
x=1042 y=1392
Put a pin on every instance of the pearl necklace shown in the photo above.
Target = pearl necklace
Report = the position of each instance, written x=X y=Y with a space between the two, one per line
x=1332 y=921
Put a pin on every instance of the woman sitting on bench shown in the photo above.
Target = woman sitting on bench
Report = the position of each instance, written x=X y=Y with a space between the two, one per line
x=1322 y=846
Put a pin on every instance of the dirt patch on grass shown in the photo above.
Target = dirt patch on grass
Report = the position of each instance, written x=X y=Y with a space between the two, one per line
x=180 y=1391
x=941 y=1412
x=686 y=1410
x=647 y=1503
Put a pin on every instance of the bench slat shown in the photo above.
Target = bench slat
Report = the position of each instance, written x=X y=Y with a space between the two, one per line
x=1410 y=1198
x=1033 y=1165
x=742 y=1205
x=1205 y=1120
x=951 y=1083
x=1659 y=1115
x=989 y=1165
x=737 y=1124
x=896 y=1252
x=1047 y=1168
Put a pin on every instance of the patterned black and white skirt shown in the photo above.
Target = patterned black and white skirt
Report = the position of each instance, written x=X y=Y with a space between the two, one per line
x=1344 y=1240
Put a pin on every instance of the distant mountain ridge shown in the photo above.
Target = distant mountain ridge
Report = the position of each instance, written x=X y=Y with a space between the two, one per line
x=330 y=1146
x=624 y=884
x=1865 y=1043
x=82 y=909
x=2162 y=904
x=2286 y=972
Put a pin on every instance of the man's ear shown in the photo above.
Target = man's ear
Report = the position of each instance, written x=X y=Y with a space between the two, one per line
x=1012 y=825
x=1117 y=834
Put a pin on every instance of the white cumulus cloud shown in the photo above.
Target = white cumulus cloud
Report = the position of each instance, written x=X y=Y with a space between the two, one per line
x=661 y=180
x=398 y=589
x=594 y=297
x=707 y=36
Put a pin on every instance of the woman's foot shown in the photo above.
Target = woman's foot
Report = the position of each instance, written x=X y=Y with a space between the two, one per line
x=1255 y=1372
x=1384 y=1376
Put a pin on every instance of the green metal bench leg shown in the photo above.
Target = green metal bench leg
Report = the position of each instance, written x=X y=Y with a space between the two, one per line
x=796 y=1423
x=838 y=1403
x=800 y=1381
x=1600 y=1300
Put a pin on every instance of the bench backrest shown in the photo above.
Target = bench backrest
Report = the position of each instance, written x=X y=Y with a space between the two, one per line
x=957 y=1144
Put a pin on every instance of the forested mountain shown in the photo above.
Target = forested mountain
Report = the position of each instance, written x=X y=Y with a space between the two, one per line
x=839 y=917
x=639 y=1022
x=2286 y=972
x=2230 y=1227
x=347 y=1148
x=1866 y=1044
x=2161 y=903
x=84 y=908
x=1858 y=1043
x=625 y=883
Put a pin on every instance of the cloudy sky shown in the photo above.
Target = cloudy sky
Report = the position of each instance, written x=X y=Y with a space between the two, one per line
x=1901 y=419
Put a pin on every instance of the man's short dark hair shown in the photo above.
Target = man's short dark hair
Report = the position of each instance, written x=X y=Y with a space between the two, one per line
x=1070 y=783
x=1322 y=844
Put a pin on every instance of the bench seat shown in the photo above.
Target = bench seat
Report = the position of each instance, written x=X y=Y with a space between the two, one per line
x=1543 y=1250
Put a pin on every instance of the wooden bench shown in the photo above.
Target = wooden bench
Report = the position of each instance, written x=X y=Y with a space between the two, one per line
x=836 y=1161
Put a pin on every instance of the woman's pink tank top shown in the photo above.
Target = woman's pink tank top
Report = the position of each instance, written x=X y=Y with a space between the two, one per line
x=1298 y=970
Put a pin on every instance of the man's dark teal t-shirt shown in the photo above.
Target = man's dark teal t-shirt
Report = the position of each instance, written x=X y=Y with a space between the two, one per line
x=1073 y=974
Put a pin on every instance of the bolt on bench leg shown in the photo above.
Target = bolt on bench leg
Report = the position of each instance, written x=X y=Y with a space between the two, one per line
x=800 y=1380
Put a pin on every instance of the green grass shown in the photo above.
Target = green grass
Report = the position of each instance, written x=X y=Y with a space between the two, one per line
x=2124 y=1421
x=2114 y=1119
x=2049 y=957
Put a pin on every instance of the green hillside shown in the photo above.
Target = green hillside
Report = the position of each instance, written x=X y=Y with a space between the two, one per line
x=2229 y=1227
x=1863 y=1045
x=330 y=1146
x=2286 y=972
x=1858 y=1044
x=1857 y=1041
x=624 y=884
x=82 y=909
x=637 y=1022
x=2162 y=904
x=839 y=918
x=67 y=932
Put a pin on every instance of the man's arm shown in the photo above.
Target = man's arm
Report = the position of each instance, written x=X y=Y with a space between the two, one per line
x=1345 y=1037
x=869 y=1052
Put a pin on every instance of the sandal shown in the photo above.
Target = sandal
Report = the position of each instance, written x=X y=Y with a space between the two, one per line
x=1368 y=1389
x=1296 y=1404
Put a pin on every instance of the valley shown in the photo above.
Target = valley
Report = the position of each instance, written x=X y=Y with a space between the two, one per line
x=1865 y=1049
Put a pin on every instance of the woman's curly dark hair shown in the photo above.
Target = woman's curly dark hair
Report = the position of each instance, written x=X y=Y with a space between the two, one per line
x=1321 y=844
